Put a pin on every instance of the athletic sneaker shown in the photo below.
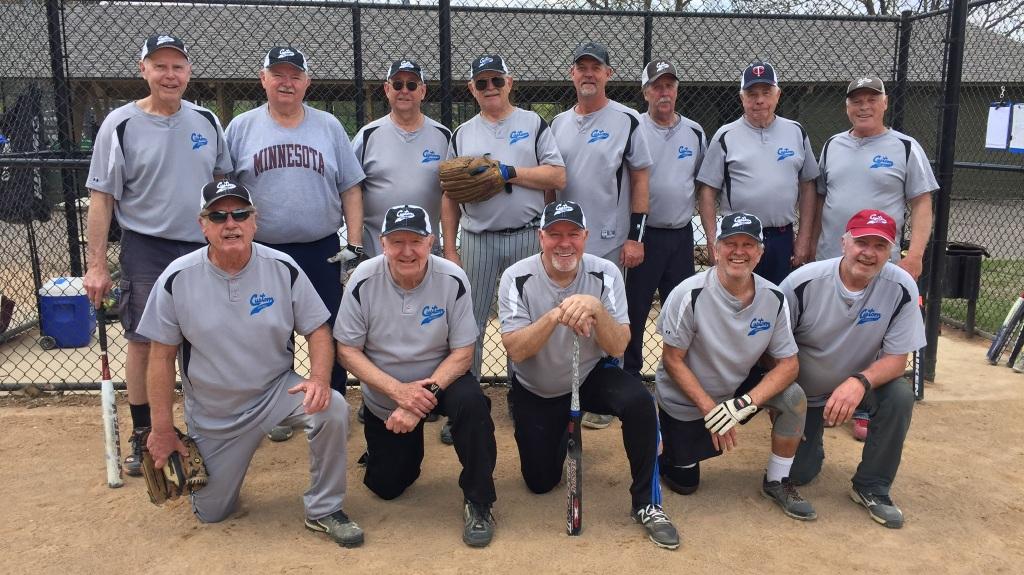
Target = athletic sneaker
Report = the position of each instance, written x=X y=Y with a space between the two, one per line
x=597 y=420
x=446 y=433
x=280 y=433
x=479 y=524
x=880 y=507
x=860 y=428
x=785 y=494
x=339 y=528
x=659 y=527
x=133 y=462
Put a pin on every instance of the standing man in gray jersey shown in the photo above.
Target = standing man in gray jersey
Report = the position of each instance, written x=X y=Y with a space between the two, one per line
x=677 y=146
x=763 y=164
x=608 y=167
x=299 y=164
x=873 y=167
x=150 y=157
x=855 y=319
x=406 y=330
x=400 y=153
x=709 y=379
x=545 y=301
x=230 y=310
x=502 y=230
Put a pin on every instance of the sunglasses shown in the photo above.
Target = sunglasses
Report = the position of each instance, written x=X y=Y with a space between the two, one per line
x=497 y=82
x=410 y=85
x=221 y=216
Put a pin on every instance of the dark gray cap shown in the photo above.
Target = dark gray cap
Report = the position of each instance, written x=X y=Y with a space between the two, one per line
x=286 y=55
x=740 y=223
x=594 y=50
x=564 y=211
x=406 y=65
x=158 y=41
x=866 y=83
x=408 y=218
x=656 y=69
x=223 y=189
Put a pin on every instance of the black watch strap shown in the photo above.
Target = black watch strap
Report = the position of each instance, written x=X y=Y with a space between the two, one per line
x=864 y=381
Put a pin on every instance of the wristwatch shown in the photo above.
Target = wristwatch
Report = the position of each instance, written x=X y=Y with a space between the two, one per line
x=864 y=381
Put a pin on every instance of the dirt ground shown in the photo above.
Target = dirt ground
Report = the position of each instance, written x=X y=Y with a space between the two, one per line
x=960 y=487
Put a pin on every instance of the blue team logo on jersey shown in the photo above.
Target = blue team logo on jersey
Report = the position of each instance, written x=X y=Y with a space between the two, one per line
x=785 y=153
x=869 y=315
x=881 y=162
x=430 y=156
x=597 y=135
x=757 y=325
x=198 y=140
x=684 y=152
x=430 y=313
x=517 y=135
x=260 y=302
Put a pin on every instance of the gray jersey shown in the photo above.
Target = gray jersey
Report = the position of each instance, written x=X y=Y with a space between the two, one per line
x=406 y=334
x=526 y=293
x=155 y=166
x=723 y=340
x=296 y=175
x=882 y=172
x=677 y=153
x=758 y=170
x=839 y=333
x=521 y=139
x=598 y=148
x=234 y=333
x=401 y=168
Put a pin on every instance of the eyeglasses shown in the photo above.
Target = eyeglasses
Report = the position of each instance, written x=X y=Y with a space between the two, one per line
x=497 y=82
x=410 y=85
x=221 y=216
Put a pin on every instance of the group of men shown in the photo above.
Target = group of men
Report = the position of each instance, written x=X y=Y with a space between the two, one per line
x=224 y=296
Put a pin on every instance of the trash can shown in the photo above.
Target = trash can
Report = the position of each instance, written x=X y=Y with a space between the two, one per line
x=963 y=270
x=66 y=317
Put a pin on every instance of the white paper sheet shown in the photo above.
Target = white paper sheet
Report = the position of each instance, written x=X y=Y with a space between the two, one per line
x=998 y=130
x=1017 y=129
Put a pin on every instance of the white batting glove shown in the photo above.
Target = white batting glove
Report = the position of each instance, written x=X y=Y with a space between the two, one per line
x=727 y=414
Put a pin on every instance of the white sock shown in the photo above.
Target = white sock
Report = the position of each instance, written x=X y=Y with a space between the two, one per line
x=778 y=467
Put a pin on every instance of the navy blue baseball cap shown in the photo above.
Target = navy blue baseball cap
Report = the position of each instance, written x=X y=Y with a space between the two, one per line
x=594 y=50
x=564 y=211
x=487 y=63
x=222 y=189
x=740 y=223
x=286 y=55
x=406 y=65
x=160 y=41
x=758 y=72
x=408 y=218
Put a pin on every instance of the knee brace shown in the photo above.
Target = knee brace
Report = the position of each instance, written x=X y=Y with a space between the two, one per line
x=791 y=404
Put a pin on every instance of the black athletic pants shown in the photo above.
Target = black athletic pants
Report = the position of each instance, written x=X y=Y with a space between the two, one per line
x=541 y=423
x=393 y=459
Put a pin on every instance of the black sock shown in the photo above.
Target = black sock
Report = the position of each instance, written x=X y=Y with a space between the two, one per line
x=140 y=415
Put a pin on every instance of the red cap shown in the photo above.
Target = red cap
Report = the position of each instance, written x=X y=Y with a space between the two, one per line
x=872 y=223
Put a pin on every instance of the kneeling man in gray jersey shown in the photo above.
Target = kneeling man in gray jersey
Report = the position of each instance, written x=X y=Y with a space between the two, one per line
x=855 y=319
x=230 y=309
x=406 y=330
x=716 y=326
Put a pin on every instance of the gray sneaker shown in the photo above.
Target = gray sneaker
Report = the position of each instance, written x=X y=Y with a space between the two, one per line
x=596 y=420
x=479 y=524
x=659 y=527
x=280 y=433
x=785 y=494
x=446 y=433
x=339 y=528
x=880 y=507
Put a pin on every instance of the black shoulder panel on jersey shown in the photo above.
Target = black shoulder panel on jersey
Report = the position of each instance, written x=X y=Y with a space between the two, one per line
x=633 y=125
x=699 y=133
x=366 y=143
x=455 y=140
x=462 y=287
x=294 y=271
x=355 y=290
x=906 y=150
x=447 y=133
x=209 y=118
x=904 y=300
x=120 y=134
x=186 y=357
x=803 y=132
x=600 y=277
x=693 y=300
x=169 y=284
x=799 y=291
x=521 y=281
x=726 y=178
x=541 y=128
x=781 y=298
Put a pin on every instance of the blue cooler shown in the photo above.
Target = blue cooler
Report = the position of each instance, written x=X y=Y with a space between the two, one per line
x=65 y=313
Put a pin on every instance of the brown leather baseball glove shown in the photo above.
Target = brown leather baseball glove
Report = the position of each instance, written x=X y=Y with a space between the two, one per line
x=178 y=476
x=472 y=178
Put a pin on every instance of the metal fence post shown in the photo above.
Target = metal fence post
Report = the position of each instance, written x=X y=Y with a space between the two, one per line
x=445 y=28
x=947 y=148
x=357 y=64
x=62 y=108
x=648 y=36
x=899 y=91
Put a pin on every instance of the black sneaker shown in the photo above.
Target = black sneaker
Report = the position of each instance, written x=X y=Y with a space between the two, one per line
x=446 y=433
x=880 y=507
x=339 y=528
x=785 y=494
x=133 y=462
x=659 y=527
x=479 y=524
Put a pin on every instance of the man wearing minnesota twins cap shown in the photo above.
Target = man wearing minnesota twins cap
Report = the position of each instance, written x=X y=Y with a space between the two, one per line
x=855 y=319
x=299 y=165
x=763 y=164
x=710 y=380
x=149 y=159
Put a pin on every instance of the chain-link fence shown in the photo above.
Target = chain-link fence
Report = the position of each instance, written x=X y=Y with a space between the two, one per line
x=75 y=61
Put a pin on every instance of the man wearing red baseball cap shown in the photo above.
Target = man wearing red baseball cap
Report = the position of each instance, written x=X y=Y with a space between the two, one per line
x=855 y=319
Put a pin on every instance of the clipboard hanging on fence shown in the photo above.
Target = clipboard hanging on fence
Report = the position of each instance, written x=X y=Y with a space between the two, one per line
x=1000 y=123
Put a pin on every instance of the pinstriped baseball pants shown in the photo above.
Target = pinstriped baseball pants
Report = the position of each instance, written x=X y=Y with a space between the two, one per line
x=485 y=256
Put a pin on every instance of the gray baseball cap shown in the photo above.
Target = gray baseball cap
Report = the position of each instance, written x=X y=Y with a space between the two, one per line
x=873 y=83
